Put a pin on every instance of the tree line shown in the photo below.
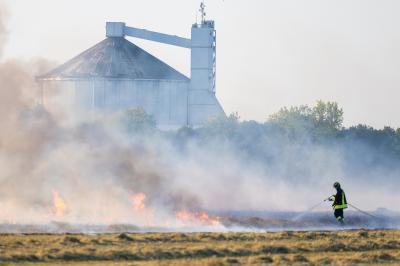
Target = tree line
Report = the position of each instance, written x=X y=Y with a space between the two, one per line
x=321 y=124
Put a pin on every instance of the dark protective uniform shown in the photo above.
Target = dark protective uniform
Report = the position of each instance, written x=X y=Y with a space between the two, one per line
x=339 y=204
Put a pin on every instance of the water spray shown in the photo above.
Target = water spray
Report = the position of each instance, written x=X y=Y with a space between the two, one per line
x=307 y=211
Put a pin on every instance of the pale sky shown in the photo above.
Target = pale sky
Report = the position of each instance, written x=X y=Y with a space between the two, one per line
x=270 y=53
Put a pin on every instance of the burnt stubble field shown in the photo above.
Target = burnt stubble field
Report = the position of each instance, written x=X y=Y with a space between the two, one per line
x=356 y=247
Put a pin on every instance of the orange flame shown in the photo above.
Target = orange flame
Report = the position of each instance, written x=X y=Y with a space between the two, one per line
x=59 y=206
x=138 y=202
x=185 y=218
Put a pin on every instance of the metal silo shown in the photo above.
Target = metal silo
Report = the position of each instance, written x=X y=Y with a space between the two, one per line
x=115 y=74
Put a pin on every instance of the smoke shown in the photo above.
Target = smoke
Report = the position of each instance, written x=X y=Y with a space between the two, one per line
x=95 y=173
x=3 y=32
x=80 y=173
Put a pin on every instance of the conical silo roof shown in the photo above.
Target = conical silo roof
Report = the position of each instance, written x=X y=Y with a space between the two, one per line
x=115 y=58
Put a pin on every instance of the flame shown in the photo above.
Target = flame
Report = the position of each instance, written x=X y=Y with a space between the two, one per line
x=138 y=202
x=186 y=218
x=59 y=206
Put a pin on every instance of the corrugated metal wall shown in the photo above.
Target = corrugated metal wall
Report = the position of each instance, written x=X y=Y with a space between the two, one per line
x=166 y=100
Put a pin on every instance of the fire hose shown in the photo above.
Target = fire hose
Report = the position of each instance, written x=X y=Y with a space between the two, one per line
x=363 y=212
x=317 y=205
x=357 y=209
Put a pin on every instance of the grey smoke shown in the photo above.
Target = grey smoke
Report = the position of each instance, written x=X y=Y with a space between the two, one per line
x=96 y=168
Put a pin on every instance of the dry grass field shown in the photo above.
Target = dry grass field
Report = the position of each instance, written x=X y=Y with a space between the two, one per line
x=278 y=248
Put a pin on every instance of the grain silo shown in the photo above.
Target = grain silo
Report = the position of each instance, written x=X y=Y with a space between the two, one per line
x=116 y=74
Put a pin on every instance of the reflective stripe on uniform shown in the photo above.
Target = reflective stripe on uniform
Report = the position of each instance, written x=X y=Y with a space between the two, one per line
x=343 y=205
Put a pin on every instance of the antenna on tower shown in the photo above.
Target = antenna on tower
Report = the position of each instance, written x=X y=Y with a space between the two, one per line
x=203 y=12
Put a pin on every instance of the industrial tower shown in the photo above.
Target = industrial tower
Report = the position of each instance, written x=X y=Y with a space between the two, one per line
x=202 y=44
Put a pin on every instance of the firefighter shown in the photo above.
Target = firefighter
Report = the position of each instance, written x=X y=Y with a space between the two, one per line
x=339 y=202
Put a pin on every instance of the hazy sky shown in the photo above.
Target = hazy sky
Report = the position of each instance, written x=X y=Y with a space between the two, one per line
x=271 y=53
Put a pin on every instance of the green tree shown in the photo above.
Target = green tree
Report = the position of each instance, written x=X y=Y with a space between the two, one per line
x=323 y=120
x=224 y=126
x=295 y=121
x=293 y=116
x=388 y=130
x=185 y=132
x=328 y=115
x=138 y=121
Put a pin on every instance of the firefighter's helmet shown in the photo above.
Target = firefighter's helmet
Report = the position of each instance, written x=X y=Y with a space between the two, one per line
x=336 y=185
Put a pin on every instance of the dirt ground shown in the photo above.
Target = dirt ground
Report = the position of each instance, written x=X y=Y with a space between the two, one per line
x=279 y=248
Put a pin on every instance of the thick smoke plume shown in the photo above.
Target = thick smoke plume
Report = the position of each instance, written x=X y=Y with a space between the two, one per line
x=96 y=173
x=86 y=173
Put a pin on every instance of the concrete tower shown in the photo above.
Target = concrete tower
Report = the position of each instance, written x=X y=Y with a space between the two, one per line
x=202 y=101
